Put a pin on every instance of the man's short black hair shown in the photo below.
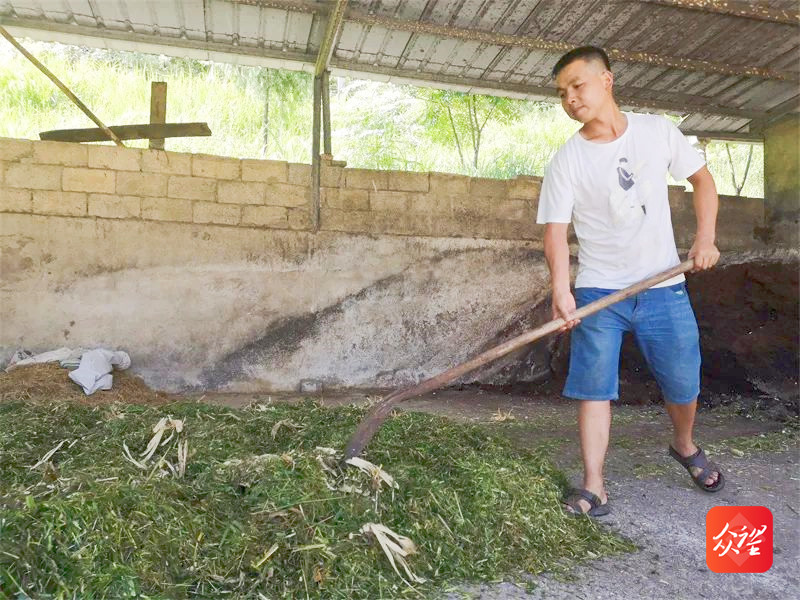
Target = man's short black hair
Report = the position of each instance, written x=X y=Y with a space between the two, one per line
x=585 y=53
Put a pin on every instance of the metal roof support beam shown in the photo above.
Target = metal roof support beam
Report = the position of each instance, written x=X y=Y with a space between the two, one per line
x=775 y=113
x=315 y=158
x=742 y=138
x=329 y=39
x=322 y=104
x=82 y=35
x=302 y=6
x=626 y=96
x=326 y=113
x=533 y=43
x=747 y=10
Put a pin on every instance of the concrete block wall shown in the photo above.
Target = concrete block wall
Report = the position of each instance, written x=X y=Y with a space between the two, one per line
x=205 y=269
x=428 y=204
x=107 y=182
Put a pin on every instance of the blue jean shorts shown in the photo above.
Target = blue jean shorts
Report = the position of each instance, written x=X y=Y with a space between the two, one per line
x=663 y=324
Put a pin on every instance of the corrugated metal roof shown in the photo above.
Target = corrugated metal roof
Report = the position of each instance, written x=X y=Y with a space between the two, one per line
x=729 y=66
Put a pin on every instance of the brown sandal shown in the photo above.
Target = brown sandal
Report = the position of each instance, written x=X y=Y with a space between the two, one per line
x=700 y=460
x=596 y=508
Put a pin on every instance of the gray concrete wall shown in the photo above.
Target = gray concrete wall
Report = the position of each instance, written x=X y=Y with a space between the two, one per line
x=206 y=271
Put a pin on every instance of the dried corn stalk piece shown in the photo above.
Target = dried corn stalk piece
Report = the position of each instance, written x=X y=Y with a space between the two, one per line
x=378 y=474
x=175 y=429
x=396 y=547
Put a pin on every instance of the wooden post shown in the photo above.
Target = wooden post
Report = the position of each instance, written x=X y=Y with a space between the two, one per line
x=315 y=159
x=158 y=110
x=326 y=113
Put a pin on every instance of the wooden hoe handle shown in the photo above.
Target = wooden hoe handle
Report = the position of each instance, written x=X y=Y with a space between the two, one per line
x=372 y=422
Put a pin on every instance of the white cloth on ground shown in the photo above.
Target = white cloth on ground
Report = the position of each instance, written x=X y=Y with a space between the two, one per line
x=94 y=372
x=53 y=355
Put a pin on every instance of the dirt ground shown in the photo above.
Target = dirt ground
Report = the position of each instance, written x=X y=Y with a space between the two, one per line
x=653 y=500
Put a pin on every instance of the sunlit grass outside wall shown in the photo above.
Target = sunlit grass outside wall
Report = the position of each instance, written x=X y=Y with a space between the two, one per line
x=374 y=125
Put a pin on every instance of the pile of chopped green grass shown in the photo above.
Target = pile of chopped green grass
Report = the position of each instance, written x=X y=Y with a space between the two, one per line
x=261 y=511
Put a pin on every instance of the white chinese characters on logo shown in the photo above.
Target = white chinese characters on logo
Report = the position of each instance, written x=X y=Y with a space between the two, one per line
x=729 y=537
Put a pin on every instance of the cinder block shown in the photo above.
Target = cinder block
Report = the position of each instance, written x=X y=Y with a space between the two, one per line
x=446 y=183
x=212 y=212
x=330 y=176
x=269 y=171
x=72 y=204
x=142 y=184
x=265 y=216
x=530 y=230
x=472 y=205
x=512 y=209
x=392 y=222
x=115 y=158
x=484 y=186
x=15 y=200
x=345 y=199
x=167 y=209
x=237 y=192
x=430 y=203
x=169 y=163
x=421 y=223
x=191 y=188
x=284 y=194
x=60 y=153
x=299 y=174
x=216 y=167
x=78 y=179
x=299 y=218
x=14 y=149
x=444 y=226
x=524 y=186
x=114 y=207
x=366 y=179
x=410 y=182
x=333 y=219
x=388 y=201
x=35 y=177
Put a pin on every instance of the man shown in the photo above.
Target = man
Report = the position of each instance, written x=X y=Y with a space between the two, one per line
x=609 y=180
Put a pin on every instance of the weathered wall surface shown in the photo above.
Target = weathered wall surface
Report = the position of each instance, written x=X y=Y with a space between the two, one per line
x=205 y=268
x=782 y=180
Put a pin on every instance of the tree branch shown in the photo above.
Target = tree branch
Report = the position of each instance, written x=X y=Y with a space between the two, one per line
x=455 y=134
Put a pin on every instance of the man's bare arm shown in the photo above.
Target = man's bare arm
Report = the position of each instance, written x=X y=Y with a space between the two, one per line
x=556 y=251
x=706 y=204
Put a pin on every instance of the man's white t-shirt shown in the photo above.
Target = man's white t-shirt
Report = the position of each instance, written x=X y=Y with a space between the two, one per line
x=615 y=195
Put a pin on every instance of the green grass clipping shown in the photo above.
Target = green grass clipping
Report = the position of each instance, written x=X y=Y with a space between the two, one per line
x=255 y=503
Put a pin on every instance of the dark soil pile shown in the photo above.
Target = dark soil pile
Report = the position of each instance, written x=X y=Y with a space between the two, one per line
x=747 y=313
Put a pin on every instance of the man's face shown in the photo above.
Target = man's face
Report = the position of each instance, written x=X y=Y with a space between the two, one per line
x=584 y=87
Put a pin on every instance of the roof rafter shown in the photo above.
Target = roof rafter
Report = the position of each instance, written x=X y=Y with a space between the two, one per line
x=747 y=10
x=534 y=43
x=529 y=42
x=329 y=38
x=626 y=96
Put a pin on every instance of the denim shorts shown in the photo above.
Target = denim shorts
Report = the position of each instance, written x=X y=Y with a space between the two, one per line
x=663 y=324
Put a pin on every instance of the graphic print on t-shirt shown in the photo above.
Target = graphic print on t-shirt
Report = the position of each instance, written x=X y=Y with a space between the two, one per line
x=625 y=177
x=625 y=201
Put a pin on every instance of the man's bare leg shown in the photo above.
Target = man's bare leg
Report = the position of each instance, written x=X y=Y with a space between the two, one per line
x=682 y=416
x=594 y=426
